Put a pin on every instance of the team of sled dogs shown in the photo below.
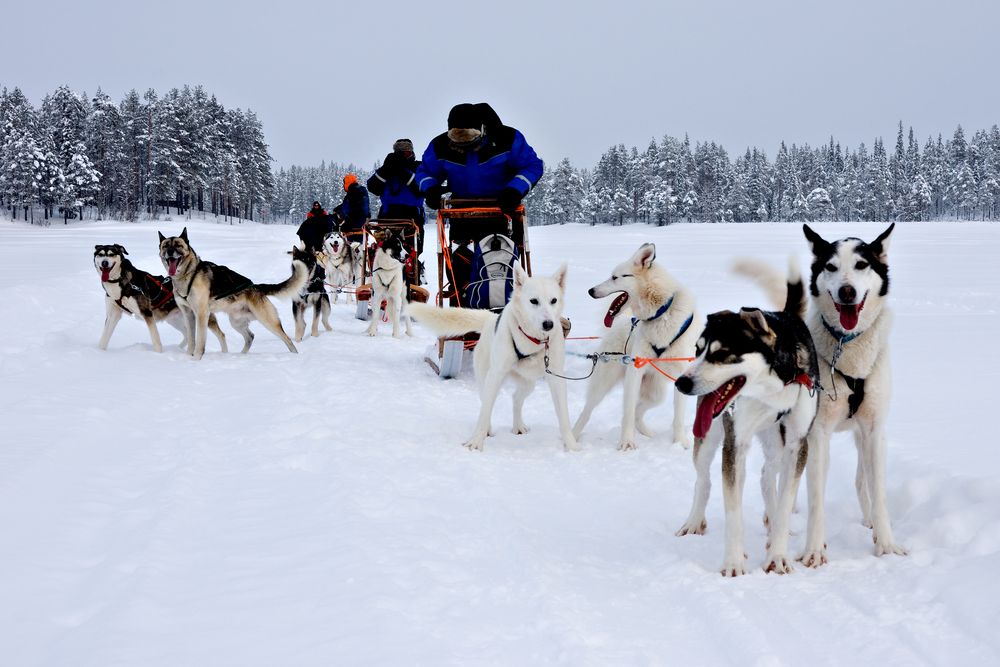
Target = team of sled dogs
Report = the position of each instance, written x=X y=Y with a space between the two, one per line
x=791 y=377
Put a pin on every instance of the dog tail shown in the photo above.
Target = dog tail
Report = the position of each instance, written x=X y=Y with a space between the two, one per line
x=451 y=321
x=783 y=291
x=290 y=287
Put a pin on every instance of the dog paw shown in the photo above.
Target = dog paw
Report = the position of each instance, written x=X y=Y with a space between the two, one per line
x=372 y=332
x=779 y=564
x=519 y=429
x=814 y=558
x=473 y=445
x=735 y=568
x=692 y=528
x=644 y=429
x=626 y=446
x=889 y=549
x=571 y=445
x=683 y=440
x=314 y=334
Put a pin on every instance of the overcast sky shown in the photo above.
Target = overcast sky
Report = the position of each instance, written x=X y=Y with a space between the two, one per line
x=340 y=81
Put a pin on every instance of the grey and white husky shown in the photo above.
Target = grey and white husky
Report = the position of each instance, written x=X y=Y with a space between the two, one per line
x=764 y=365
x=202 y=288
x=389 y=285
x=341 y=264
x=313 y=295
x=150 y=298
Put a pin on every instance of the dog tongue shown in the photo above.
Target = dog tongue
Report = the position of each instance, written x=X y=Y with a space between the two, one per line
x=105 y=275
x=614 y=308
x=171 y=267
x=849 y=316
x=705 y=413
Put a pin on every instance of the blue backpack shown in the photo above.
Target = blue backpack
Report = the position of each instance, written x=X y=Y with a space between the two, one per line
x=491 y=275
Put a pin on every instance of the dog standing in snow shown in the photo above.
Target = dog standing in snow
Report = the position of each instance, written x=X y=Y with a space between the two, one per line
x=524 y=342
x=389 y=285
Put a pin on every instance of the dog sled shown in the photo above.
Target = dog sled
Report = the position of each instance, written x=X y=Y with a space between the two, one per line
x=371 y=235
x=478 y=246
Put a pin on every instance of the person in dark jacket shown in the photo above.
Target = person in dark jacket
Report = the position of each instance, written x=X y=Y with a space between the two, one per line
x=479 y=157
x=395 y=183
x=355 y=210
x=313 y=230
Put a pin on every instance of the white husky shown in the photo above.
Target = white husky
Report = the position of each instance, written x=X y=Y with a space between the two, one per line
x=663 y=326
x=339 y=262
x=524 y=342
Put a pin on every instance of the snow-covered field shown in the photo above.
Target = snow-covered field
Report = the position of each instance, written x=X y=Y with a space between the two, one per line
x=317 y=509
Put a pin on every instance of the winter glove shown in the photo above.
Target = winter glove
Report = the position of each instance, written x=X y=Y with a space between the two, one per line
x=432 y=196
x=391 y=164
x=509 y=200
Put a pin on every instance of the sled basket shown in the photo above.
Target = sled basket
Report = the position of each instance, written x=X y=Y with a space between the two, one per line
x=491 y=276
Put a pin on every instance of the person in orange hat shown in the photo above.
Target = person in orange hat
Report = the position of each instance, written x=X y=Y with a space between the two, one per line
x=355 y=210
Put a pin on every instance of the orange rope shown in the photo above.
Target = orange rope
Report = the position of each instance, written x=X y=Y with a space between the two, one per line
x=642 y=361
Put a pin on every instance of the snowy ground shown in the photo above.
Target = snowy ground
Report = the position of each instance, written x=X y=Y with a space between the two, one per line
x=317 y=509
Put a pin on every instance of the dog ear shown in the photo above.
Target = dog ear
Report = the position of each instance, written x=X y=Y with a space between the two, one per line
x=162 y=237
x=645 y=255
x=121 y=249
x=519 y=275
x=560 y=276
x=880 y=246
x=820 y=246
x=755 y=318
x=184 y=234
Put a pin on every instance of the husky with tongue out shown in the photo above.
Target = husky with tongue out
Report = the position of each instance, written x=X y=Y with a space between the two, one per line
x=850 y=322
x=757 y=370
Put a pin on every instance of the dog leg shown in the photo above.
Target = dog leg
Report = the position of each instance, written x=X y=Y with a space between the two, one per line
x=325 y=303
x=267 y=314
x=681 y=434
x=557 y=387
x=407 y=322
x=777 y=553
x=873 y=443
x=597 y=388
x=299 y=314
x=154 y=333
x=703 y=455
x=733 y=477
x=111 y=319
x=201 y=330
x=317 y=313
x=816 y=470
x=189 y=326
x=392 y=308
x=521 y=392
x=861 y=484
x=242 y=326
x=213 y=324
x=490 y=388
x=375 y=301
x=633 y=379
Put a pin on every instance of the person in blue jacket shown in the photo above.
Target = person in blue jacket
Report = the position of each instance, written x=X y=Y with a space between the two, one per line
x=355 y=210
x=395 y=183
x=478 y=157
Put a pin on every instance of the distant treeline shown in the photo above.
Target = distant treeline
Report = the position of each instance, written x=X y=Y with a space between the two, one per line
x=144 y=154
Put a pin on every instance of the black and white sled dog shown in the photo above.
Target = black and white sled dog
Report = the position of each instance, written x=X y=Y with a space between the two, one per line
x=312 y=295
x=389 y=285
x=764 y=365
x=202 y=288
x=663 y=313
x=342 y=264
x=133 y=291
x=525 y=341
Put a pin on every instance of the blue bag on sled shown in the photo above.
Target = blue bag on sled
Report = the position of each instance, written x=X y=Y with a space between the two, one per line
x=491 y=275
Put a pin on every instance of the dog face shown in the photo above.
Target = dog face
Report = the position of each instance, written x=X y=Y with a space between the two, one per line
x=734 y=349
x=625 y=280
x=304 y=256
x=175 y=252
x=849 y=278
x=392 y=245
x=336 y=246
x=108 y=258
x=538 y=301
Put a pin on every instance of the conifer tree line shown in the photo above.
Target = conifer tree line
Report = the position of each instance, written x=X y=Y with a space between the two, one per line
x=672 y=180
x=144 y=155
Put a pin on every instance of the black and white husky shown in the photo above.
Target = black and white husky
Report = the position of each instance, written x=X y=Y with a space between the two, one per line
x=136 y=292
x=312 y=295
x=850 y=322
x=663 y=313
x=764 y=365
x=389 y=285
x=340 y=260
x=524 y=342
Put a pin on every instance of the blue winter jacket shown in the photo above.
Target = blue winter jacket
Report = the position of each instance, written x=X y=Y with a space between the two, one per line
x=504 y=160
x=397 y=189
x=355 y=208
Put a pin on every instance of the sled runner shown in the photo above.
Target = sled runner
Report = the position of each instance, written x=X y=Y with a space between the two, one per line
x=372 y=232
x=477 y=248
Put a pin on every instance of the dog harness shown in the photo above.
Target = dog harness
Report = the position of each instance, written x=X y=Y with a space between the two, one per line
x=223 y=278
x=521 y=356
x=855 y=385
x=659 y=313
x=157 y=291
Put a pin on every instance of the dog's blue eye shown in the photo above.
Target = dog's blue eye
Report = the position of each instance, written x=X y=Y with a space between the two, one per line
x=534 y=302
x=830 y=267
x=861 y=266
